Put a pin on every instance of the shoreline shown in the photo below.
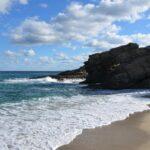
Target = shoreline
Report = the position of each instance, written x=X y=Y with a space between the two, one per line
x=133 y=133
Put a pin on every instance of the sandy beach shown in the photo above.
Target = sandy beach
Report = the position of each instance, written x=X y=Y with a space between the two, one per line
x=132 y=133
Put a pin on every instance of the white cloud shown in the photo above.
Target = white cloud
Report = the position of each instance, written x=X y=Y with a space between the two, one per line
x=43 y=5
x=115 y=40
x=80 y=22
x=45 y=60
x=10 y=54
x=29 y=53
x=143 y=39
x=99 y=44
x=61 y=56
x=70 y=46
x=108 y=40
x=123 y=9
x=64 y=58
x=24 y=53
x=27 y=61
x=5 y=5
x=34 y=31
x=24 y=2
x=80 y=58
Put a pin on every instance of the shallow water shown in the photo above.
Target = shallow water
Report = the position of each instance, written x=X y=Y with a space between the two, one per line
x=45 y=114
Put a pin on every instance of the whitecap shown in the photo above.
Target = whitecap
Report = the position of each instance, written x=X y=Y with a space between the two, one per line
x=40 y=80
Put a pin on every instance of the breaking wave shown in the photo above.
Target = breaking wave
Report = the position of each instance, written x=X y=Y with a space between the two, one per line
x=40 y=80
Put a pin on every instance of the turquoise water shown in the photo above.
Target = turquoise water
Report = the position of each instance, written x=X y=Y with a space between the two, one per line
x=44 y=113
x=12 y=90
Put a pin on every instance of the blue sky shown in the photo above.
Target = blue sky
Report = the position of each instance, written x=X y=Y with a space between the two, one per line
x=60 y=34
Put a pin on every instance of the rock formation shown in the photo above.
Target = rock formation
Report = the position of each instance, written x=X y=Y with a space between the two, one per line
x=123 y=67
x=72 y=74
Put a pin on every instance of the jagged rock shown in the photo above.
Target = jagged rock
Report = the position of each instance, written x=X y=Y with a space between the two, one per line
x=72 y=74
x=126 y=66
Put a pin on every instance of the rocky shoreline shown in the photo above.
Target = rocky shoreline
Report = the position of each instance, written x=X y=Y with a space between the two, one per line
x=73 y=74
x=124 y=67
x=79 y=73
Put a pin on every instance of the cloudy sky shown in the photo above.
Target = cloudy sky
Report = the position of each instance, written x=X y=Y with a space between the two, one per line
x=60 y=34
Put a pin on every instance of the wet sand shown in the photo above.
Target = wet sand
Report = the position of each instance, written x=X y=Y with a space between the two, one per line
x=132 y=133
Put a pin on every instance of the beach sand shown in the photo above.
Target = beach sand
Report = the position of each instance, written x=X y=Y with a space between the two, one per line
x=132 y=133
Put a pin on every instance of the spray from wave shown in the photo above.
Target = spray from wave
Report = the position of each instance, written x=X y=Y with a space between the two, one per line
x=40 y=80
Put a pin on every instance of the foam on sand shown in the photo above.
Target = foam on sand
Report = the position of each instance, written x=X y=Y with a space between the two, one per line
x=49 y=122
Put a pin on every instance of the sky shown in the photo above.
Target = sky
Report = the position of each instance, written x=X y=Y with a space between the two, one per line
x=52 y=35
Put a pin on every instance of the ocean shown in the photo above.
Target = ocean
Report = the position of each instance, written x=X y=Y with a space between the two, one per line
x=43 y=114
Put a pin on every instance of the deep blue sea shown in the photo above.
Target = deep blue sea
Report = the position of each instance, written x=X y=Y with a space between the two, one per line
x=44 y=113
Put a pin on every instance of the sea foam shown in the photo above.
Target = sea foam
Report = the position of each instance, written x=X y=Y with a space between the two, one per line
x=49 y=122
x=40 y=80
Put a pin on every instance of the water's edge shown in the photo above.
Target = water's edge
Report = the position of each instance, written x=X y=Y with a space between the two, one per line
x=129 y=116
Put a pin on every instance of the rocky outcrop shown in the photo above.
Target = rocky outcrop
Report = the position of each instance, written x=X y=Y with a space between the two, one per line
x=123 y=67
x=72 y=74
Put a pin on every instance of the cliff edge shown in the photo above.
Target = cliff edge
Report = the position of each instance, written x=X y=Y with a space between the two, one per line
x=127 y=66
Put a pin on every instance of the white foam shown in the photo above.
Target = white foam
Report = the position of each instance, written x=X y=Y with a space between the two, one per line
x=47 y=123
x=40 y=80
x=72 y=80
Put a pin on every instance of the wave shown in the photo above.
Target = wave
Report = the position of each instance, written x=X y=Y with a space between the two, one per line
x=40 y=80
x=50 y=122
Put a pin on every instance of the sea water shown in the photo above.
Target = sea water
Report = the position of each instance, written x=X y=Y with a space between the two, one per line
x=43 y=114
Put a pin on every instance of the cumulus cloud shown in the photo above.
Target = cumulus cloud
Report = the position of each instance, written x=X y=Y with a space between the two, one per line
x=43 y=5
x=108 y=41
x=24 y=53
x=10 y=54
x=5 y=5
x=45 y=60
x=81 y=23
x=115 y=40
x=124 y=9
x=24 y=2
x=27 y=61
x=29 y=53
x=61 y=56
x=34 y=31
x=70 y=46
x=64 y=58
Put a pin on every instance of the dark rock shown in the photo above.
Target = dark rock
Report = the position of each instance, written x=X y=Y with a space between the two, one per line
x=126 y=66
x=72 y=74
x=148 y=47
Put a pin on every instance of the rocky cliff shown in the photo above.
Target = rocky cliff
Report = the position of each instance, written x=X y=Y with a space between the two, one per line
x=123 y=67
